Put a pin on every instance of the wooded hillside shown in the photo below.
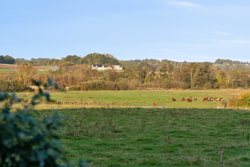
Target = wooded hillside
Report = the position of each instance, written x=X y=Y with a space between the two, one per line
x=75 y=73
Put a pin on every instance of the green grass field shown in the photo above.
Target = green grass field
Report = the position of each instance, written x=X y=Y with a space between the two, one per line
x=156 y=137
x=139 y=98
x=126 y=129
x=3 y=70
x=7 y=68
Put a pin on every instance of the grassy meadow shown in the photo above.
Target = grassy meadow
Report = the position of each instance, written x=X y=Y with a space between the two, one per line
x=145 y=128
x=138 y=98
x=7 y=68
x=156 y=137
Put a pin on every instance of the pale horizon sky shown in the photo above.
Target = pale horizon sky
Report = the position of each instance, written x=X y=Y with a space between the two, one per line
x=179 y=30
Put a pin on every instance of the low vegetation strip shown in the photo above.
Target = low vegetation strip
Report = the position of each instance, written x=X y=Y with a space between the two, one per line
x=156 y=137
x=241 y=101
x=141 y=98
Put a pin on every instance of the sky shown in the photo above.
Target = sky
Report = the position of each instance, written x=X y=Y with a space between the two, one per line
x=179 y=30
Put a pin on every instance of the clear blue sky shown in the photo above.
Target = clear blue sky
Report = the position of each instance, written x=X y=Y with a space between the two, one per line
x=191 y=30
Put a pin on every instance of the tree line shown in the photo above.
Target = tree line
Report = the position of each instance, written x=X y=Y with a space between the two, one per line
x=74 y=73
x=7 y=59
x=92 y=58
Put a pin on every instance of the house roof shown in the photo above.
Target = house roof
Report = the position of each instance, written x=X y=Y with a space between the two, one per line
x=97 y=65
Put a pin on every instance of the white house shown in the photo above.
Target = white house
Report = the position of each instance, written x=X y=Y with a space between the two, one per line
x=102 y=67
x=117 y=67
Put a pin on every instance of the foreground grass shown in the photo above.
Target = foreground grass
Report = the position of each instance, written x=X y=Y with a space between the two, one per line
x=139 y=98
x=156 y=137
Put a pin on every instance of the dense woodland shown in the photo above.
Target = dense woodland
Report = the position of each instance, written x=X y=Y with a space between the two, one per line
x=74 y=73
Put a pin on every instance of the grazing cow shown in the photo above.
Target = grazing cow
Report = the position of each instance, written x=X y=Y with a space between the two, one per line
x=189 y=100
x=213 y=99
x=210 y=99
x=205 y=99
x=193 y=98
x=221 y=99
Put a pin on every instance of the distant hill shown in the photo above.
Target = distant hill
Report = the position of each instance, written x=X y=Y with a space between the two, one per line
x=97 y=58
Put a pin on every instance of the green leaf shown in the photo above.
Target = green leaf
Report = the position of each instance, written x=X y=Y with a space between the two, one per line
x=3 y=96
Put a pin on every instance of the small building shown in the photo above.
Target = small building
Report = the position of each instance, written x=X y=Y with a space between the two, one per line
x=102 y=67
x=118 y=67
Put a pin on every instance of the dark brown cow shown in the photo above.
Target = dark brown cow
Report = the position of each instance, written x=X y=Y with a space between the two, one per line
x=189 y=100
x=174 y=100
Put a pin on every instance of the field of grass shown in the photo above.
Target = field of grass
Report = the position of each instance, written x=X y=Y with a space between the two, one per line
x=145 y=128
x=139 y=98
x=156 y=137
x=6 y=68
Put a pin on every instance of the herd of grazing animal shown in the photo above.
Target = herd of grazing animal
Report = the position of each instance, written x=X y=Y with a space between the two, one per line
x=191 y=99
x=213 y=99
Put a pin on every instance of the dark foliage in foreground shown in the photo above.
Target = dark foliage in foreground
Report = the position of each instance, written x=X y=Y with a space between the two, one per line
x=24 y=141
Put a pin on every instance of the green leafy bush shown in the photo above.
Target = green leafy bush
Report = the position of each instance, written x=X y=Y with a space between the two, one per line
x=25 y=141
